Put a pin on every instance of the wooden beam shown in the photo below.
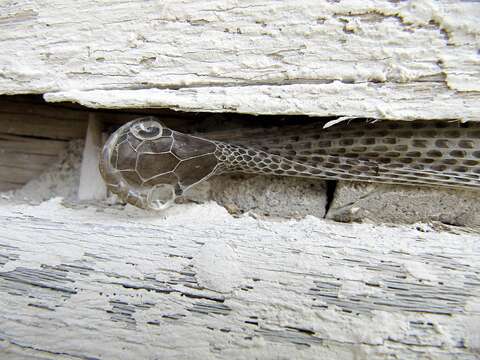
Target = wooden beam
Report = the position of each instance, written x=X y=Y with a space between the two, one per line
x=195 y=283
x=11 y=159
x=385 y=60
x=23 y=158
x=28 y=145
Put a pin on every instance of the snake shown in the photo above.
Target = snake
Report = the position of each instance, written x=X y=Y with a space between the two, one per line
x=149 y=165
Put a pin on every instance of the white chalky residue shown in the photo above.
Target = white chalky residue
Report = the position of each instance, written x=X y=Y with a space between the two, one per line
x=178 y=281
x=217 y=267
x=398 y=60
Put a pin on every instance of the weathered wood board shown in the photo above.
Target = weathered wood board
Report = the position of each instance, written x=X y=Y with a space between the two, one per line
x=23 y=158
x=195 y=283
x=26 y=116
x=103 y=283
x=380 y=59
x=32 y=136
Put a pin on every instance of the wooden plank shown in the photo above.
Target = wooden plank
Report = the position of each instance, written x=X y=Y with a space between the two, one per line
x=381 y=59
x=23 y=158
x=92 y=186
x=44 y=127
x=7 y=185
x=196 y=283
x=18 y=175
x=34 y=107
x=30 y=118
x=25 y=161
x=28 y=145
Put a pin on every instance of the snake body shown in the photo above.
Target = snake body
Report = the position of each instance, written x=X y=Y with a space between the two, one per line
x=147 y=164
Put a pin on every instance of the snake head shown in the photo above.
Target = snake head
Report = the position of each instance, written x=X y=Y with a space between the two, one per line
x=148 y=165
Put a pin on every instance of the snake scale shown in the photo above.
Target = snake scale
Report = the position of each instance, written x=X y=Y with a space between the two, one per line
x=148 y=165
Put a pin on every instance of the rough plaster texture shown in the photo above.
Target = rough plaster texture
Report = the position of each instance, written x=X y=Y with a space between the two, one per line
x=388 y=59
x=380 y=203
x=196 y=283
x=265 y=195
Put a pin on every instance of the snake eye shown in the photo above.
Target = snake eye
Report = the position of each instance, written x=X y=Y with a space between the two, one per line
x=147 y=130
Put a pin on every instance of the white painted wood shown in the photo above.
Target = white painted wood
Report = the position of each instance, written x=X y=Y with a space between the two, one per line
x=381 y=59
x=92 y=186
x=195 y=283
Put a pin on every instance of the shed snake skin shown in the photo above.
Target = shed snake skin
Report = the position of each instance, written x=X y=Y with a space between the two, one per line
x=148 y=165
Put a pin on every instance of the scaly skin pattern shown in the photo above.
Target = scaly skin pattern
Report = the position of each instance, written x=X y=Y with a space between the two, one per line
x=143 y=157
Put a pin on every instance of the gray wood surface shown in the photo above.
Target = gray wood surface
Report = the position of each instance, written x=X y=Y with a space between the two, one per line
x=23 y=158
x=195 y=283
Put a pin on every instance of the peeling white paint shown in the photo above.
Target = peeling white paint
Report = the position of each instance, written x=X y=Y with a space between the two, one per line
x=195 y=282
x=398 y=60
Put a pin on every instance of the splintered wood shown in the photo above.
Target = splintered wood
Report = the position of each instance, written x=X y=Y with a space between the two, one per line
x=398 y=60
x=199 y=284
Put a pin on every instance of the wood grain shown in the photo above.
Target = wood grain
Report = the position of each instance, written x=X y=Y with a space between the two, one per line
x=22 y=158
x=196 y=283
x=389 y=60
